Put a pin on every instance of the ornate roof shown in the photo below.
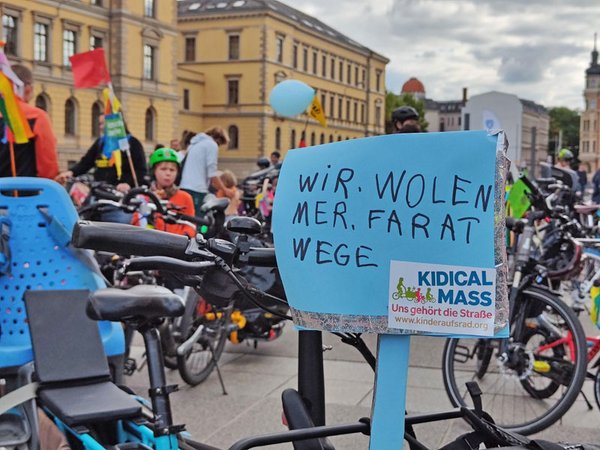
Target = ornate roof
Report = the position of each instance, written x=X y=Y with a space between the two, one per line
x=413 y=85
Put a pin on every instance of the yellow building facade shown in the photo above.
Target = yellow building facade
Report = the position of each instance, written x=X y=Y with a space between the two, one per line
x=241 y=49
x=190 y=65
x=140 y=41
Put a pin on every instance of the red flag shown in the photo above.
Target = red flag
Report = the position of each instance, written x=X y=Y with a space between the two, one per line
x=89 y=69
x=302 y=143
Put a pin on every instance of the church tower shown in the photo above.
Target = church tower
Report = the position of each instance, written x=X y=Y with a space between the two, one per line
x=589 y=131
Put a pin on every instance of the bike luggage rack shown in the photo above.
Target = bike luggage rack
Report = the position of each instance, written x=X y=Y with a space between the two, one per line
x=41 y=217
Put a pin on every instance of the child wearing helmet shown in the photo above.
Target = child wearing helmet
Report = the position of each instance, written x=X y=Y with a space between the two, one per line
x=164 y=166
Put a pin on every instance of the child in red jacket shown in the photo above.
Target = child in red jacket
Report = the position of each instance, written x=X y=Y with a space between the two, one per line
x=164 y=166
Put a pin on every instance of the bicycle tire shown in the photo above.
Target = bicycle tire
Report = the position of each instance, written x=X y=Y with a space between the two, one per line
x=504 y=397
x=597 y=388
x=197 y=364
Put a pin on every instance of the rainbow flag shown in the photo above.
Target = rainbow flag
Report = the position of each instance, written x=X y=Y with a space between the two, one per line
x=13 y=115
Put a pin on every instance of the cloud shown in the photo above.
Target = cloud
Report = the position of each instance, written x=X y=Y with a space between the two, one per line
x=538 y=49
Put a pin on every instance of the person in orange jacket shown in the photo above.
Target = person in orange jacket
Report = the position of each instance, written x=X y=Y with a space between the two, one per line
x=38 y=157
x=164 y=166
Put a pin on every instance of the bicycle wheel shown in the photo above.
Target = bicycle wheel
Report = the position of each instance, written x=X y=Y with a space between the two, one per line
x=533 y=379
x=198 y=363
x=597 y=388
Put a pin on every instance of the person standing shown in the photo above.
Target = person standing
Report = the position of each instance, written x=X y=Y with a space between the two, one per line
x=105 y=169
x=38 y=157
x=200 y=168
x=406 y=120
x=596 y=185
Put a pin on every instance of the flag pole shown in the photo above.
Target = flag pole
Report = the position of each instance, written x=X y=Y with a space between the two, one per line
x=111 y=96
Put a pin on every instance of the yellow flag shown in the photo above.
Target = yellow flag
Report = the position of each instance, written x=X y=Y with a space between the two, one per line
x=111 y=102
x=316 y=111
x=116 y=159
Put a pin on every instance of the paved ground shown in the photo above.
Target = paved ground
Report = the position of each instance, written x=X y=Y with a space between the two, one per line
x=254 y=379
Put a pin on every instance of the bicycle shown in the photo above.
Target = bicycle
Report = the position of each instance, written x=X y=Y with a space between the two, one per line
x=114 y=418
x=532 y=385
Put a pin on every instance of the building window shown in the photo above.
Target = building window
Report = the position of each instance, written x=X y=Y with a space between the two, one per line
x=279 y=49
x=305 y=59
x=378 y=80
x=377 y=115
x=293 y=139
x=96 y=113
x=322 y=139
x=442 y=125
x=356 y=112
x=190 y=49
x=96 y=42
x=234 y=46
x=40 y=42
x=69 y=46
x=349 y=75
x=331 y=106
x=340 y=107
x=313 y=138
x=186 y=99
x=342 y=71
x=362 y=113
x=295 y=57
x=356 y=76
x=149 y=9
x=330 y=138
x=149 y=124
x=10 y=34
x=364 y=77
x=97 y=2
x=234 y=138
x=70 y=117
x=324 y=66
x=41 y=101
x=348 y=110
x=233 y=87
x=149 y=62
x=277 y=138
x=339 y=138
x=315 y=57
x=323 y=102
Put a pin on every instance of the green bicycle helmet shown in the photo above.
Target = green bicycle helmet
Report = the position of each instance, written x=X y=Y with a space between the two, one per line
x=565 y=154
x=162 y=155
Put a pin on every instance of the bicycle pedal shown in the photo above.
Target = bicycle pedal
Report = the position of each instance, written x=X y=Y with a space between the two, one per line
x=129 y=366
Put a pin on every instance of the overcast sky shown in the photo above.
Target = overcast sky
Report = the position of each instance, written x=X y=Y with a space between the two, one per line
x=536 y=49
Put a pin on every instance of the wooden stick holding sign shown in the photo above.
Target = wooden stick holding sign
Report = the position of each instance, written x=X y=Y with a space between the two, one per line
x=369 y=240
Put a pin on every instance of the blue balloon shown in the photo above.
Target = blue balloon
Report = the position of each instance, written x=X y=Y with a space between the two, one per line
x=291 y=97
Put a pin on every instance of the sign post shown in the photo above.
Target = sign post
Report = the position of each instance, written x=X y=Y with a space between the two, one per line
x=395 y=235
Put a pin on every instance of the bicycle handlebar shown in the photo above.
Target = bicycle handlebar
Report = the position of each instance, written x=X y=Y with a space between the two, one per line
x=129 y=240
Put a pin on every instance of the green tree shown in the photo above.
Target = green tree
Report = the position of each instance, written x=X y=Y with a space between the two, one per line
x=393 y=101
x=564 y=120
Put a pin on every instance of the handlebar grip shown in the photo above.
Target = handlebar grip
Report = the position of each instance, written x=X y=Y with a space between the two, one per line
x=262 y=257
x=129 y=240
x=168 y=264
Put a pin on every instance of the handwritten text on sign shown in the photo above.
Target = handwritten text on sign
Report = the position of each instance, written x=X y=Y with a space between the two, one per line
x=344 y=211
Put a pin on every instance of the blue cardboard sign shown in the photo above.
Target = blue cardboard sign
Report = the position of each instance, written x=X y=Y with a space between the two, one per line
x=371 y=233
